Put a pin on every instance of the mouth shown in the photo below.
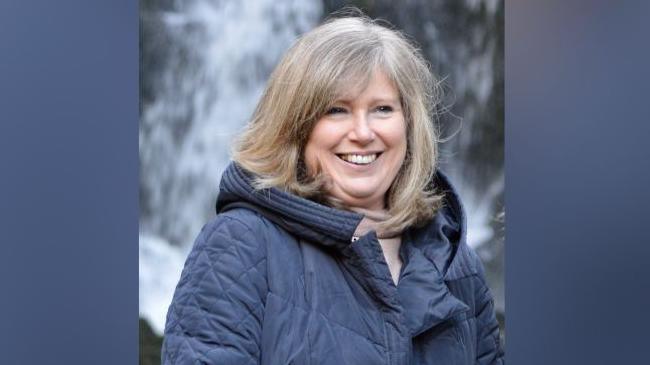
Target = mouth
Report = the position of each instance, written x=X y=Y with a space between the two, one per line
x=359 y=159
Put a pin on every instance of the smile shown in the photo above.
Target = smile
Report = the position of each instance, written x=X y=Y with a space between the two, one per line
x=359 y=159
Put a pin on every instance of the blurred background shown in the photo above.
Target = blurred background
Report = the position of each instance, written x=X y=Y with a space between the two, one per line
x=203 y=66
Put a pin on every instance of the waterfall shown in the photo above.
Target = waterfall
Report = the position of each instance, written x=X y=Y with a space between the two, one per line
x=206 y=63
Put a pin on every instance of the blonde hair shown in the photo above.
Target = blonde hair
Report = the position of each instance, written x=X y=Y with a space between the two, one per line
x=315 y=71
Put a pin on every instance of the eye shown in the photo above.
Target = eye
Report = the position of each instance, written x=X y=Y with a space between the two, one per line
x=335 y=110
x=384 y=109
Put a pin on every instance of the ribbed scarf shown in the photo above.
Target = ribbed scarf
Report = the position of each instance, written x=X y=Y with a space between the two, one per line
x=390 y=241
x=371 y=221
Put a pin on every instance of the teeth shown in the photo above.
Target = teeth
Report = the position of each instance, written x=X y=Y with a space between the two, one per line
x=359 y=159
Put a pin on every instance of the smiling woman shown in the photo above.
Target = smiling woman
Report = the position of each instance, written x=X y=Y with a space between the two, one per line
x=360 y=144
x=336 y=240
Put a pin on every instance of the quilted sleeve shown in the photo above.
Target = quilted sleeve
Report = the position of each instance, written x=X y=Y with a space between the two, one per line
x=488 y=349
x=216 y=313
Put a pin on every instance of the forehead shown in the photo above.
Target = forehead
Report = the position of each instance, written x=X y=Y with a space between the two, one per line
x=374 y=83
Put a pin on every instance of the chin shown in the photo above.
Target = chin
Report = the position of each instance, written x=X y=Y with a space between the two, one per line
x=362 y=197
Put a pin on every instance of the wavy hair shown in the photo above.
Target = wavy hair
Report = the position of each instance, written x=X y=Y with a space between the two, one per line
x=317 y=70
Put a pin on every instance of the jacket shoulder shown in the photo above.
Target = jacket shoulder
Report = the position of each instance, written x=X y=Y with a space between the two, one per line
x=220 y=296
x=229 y=243
x=467 y=278
x=259 y=227
x=238 y=225
x=475 y=268
x=466 y=263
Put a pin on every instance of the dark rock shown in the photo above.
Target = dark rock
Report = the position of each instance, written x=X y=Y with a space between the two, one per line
x=150 y=344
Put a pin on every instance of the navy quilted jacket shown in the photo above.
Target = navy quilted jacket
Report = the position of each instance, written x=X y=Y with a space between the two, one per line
x=275 y=279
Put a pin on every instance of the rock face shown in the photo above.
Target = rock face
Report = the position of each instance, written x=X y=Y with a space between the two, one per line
x=150 y=345
x=204 y=63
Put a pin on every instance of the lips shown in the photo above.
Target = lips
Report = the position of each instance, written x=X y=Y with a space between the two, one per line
x=359 y=159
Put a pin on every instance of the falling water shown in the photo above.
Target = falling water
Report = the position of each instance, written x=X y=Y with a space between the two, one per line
x=206 y=62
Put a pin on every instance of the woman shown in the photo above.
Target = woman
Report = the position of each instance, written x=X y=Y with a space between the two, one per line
x=336 y=241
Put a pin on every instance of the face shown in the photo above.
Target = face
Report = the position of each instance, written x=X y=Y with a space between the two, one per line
x=360 y=144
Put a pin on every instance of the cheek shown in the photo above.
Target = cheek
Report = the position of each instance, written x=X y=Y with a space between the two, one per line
x=395 y=137
x=398 y=142
x=322 y=140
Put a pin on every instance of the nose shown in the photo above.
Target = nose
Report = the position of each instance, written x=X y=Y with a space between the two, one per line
x=361 y=131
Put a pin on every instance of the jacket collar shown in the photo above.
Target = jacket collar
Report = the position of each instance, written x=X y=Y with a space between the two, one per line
x=424 y=294
x=302 y=217
x=434 y=254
